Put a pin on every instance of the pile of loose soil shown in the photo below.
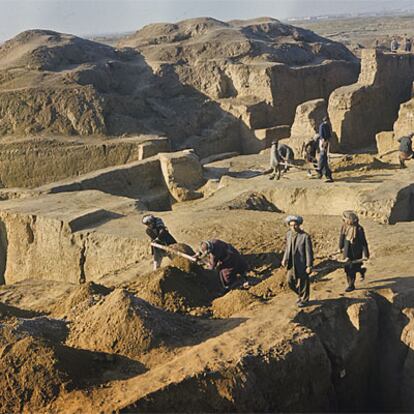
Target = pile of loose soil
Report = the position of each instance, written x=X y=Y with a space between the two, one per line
x=124 y=324
x=233 y=302
x=31 y=375
x=80 y=300
x=271 y=286
x=54 y=330
x=175 y=290
x=362 y=162
x=181 y=262
x=251 y=201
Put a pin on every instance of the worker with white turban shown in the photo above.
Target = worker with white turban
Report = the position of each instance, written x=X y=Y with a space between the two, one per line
x=298 y=259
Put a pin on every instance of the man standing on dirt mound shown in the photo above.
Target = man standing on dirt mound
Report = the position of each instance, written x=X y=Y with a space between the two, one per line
x=227 y=260
x=158 y=233
x=353 y=244
x=298 y=259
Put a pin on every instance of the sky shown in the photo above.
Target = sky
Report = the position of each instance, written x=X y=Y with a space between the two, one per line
x=94 y=17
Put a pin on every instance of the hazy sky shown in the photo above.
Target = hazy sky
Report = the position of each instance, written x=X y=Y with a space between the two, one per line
x=83 y=17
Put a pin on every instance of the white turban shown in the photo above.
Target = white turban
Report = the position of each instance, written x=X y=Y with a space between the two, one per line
x=297 y=219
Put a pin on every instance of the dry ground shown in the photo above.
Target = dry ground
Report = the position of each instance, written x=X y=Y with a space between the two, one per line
x=185 y=327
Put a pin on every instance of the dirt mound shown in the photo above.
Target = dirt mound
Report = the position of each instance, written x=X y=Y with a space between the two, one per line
x=272 y=285
x=235 y=301
x=57 y=83
x=54 y=330
x=31 y=375
x=181 y=262
x=80 y=300
x=124 y=324
x=48 y=50
x=177 y=291
x=251 y=201
x=206 y=38
x=362 y=162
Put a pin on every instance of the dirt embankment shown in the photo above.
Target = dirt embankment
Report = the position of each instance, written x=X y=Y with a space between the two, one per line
x=339 y=354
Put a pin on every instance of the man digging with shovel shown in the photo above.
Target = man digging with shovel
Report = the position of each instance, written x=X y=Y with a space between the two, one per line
x=227 y=260
x=159 y=234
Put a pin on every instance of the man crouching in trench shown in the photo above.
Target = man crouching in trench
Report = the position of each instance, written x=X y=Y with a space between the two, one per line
x=298 y=259
x=227 y=260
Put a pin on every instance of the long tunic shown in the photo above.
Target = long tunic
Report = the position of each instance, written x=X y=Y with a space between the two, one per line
x=358 y=248
x=227 y=260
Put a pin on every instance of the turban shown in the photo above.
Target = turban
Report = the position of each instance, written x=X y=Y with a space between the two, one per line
x=297 y=219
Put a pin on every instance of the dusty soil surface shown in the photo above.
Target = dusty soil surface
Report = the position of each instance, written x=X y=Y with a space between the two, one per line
x=140 y=341
x=357 y=33
x=87 y=326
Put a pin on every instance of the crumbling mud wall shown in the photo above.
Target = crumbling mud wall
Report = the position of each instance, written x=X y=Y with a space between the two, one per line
x=294 y=86
x=257 y=70
x=359 y=111
x=267 y=95
x=139 y=180
x=52 y=237
x=404 y=124
x=308 y=117
x=387 y=141
x=154 y=182
x=386 y=203
x=183 y=174
x=35 y=162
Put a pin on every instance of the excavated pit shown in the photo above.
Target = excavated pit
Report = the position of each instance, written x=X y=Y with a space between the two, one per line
x=349 y=354
x=341 y=357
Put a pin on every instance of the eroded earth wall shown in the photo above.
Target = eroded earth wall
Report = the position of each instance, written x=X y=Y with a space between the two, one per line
x=34 y=162
x=359 y=111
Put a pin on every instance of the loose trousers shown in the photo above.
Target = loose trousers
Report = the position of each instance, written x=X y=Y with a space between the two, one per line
x=300 y=284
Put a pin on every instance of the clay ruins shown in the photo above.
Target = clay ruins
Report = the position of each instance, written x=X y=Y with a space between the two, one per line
x=177 y=120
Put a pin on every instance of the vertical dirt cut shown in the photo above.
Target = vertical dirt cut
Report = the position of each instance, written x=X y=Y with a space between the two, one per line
x=3 y=251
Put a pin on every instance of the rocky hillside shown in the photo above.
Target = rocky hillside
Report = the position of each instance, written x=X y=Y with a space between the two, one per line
x=243 y=41
x=203 y=83
x=259 y=70
x=61 y=84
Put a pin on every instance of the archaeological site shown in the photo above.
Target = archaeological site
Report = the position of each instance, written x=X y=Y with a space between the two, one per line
x=175 y=124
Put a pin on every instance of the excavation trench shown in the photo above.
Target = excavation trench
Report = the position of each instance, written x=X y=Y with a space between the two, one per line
x=349 y=355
